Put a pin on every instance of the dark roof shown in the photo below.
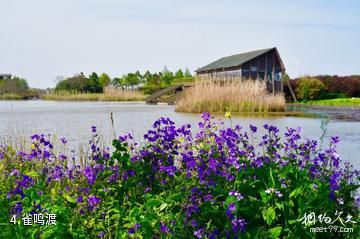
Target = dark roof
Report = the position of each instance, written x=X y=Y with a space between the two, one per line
x=5 y=75
x=234 y=60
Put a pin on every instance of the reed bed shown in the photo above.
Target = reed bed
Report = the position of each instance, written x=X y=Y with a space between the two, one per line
x=233 y=96
x=110 y=94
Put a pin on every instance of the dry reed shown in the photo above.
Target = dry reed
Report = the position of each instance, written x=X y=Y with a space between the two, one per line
x=110 y=94
x=233 y=96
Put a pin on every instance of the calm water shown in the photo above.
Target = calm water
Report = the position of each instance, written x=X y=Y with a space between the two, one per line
x=20 y=119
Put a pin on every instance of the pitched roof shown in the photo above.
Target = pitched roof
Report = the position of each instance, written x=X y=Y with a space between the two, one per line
x=234 y=60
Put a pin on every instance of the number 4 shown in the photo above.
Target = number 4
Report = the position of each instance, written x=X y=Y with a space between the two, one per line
x=13 y=220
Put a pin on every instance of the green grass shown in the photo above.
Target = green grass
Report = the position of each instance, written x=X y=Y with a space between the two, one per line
x=335 y=102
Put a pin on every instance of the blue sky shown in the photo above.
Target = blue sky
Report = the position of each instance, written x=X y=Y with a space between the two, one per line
x=43 y=39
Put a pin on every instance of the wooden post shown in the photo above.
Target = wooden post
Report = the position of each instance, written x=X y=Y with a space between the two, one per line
x=266 y=66
x=281 y=81
x=257 y=69
x=273 y=75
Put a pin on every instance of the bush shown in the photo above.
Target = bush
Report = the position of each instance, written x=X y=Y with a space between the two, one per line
x=13 y=85
x=309 y=89
x=348 y=85
x=214 y=183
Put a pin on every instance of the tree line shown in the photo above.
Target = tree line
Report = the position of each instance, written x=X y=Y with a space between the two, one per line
x=14 y=85
x=147 y=82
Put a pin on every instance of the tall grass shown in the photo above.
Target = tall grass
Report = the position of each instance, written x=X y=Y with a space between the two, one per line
x=234 y=96
x=110 y=94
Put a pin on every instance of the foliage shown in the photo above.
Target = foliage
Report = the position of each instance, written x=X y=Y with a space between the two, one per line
x=309 y=88
x=335 y=86
x=214 y=182
x=346 y=85
x=148 y=83
x=104 y=80
x=14 y=85
x=81 y=83
x=76 y=83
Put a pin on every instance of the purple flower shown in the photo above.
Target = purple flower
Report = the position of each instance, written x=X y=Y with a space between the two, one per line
x=199 y=233
x=163 y=228
x=205 y=116
x=90 y=173
x=17 y=208
x=93 y=129
x=79 y=199
x=238 y=224
x=63 y=140
x=253 y=128
x=133 y=229
x=335 y=139
x=101 y=234
x=93 y=201
x=232 y=207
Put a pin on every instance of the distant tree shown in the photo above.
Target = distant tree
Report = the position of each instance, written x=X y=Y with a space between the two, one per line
x=117 y=82
x=132 y=79
x=94 y=85
x=187 y=73
x=13 y=85
x=75 y=83
x=167 y=77
x=179 y=74
x=104 y=80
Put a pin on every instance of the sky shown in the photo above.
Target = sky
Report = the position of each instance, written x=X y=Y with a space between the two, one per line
x=42 y=40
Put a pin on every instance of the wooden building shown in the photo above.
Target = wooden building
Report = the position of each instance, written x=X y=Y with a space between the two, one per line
x=263 y=64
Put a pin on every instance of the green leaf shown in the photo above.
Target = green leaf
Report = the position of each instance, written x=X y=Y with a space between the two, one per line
x=269 y=215
x=272 y=178
x=32 y=174
x=275 y=232
x=163 y=206
x=153 y=203
x=68 y=198
x=265 y=197
x=229 y=199
x=134 y=212
x=296 y=192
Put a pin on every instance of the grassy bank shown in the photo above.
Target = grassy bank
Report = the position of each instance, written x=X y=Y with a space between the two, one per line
x=110 y=94
x=335 y=102
x=10 y=96
x=234 y=96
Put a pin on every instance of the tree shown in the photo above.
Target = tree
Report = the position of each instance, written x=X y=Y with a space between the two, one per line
x=187 y=73
x=309 y=88
x=104 y=80
x=167 y=77
x=13 y=85
x=74 y=83
x=94 y=85
x=132 y=79
x=179 y=74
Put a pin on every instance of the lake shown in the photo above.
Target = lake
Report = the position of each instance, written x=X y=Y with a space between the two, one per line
x=73 y=120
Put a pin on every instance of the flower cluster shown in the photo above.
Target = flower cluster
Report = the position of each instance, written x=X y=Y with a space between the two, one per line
x=214 y=182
